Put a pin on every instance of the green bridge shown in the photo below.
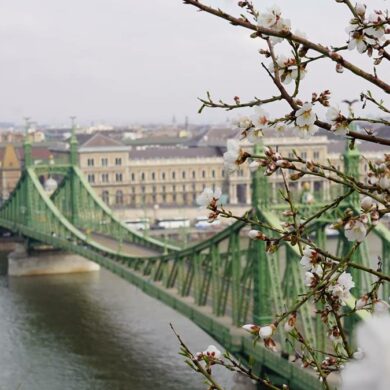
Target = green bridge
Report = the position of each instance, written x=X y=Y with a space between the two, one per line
x=220 y=284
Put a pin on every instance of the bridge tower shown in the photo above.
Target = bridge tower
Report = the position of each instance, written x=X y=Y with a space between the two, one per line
x=74 y=183
x=351 y=159
x=27 y=205
x=262 y=312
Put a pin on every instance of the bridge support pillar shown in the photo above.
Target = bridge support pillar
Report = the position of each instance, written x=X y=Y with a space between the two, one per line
x=46 y=262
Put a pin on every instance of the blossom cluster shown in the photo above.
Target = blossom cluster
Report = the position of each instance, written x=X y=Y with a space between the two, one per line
x=209 y=199
x=367 y=32
x=264 y=332
x=209 y=355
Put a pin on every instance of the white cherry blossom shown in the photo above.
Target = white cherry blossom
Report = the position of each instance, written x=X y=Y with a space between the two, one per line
x=234 y=156
x=309 y=279
x=266 y=332
x=384 y=182
x=355 y=230
x=260 y=118
x=243 y=122
x=212 y=352
x=361 y=302
x=208 y=196
x=254 y=166
x=378 y=30
x=372 y=370
x=253 y=234
x=305 y=131
x=359 y=40
x=273 y=20
x=337 y=120
x=367 y=203
x=341 y=289
x=309 y=258
x=305 y=116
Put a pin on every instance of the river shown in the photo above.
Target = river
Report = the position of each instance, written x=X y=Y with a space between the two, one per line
x=91 y=331
x=95 y=331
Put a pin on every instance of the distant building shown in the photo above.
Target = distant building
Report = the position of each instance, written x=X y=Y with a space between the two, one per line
x=172 y=171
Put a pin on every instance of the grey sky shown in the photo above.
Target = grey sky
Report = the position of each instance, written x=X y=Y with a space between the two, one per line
x=124 y=61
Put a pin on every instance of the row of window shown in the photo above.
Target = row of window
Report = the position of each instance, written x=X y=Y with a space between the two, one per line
x=119 y=198
x=164 y=175
x=105 y=178
x=119 y=176
x=103 y=162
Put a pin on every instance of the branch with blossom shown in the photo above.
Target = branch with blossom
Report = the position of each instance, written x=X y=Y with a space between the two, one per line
x=328 y=277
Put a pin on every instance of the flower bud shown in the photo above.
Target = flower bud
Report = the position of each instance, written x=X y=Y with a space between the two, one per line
x=367 y=203
x=296 y=176
x=360 y=9
x=251 y=328
x=266 y=332
x=291 y=321
x=339 y=68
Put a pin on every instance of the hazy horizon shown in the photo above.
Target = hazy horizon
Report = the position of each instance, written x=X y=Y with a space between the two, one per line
x=119 y=62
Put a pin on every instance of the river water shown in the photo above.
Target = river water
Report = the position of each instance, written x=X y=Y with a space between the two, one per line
x=91 y=331
x=95 y=331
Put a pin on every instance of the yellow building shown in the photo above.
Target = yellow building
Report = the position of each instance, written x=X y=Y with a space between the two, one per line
x=9 y=170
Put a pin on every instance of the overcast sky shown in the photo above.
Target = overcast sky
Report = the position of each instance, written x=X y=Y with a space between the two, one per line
x=126 y=61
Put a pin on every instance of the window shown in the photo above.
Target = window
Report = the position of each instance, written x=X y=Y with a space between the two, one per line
x=142 y=176
x=106 y=197
x=118 y=177
x=173 y=188
x=163 y=188
x=223 y=173
x=203 y=174
x=163 y=175
x=153 y=176
x=174 y=197
x=173 y=175
x=90 y=162
x=213 y=173
x=143 y=189
x=154 y=189
x=304 y=155
x=105 y=177
x=132 y=176
x=193 y=174
x=183 y=175
x=291 y=155
x=193 y=187
x=91 y=178
x=104 y=162
x=119 y=197
x=316 y=155
x=118 y=161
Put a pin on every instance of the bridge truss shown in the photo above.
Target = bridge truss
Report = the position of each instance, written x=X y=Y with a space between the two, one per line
x=220 y=283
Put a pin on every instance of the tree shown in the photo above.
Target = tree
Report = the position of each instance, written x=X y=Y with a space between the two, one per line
x=329 y=278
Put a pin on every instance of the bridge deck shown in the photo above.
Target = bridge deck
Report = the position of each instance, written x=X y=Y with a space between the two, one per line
x=124 y=247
